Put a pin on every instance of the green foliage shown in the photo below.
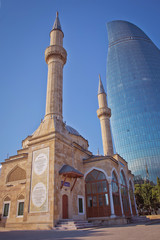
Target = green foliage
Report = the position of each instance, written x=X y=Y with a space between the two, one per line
x=147 y=197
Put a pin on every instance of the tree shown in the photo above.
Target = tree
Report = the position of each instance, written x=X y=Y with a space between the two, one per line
x=147 y=197
x=139 y=198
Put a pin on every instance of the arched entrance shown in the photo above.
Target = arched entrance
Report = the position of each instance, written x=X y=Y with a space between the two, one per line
x=132 y=198
x=115 y=192
x=124 y=195
x=64 y=206
x=97 y=195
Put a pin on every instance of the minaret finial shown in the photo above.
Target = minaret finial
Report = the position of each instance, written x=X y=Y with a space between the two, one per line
x=57 y=24
x=100 y=87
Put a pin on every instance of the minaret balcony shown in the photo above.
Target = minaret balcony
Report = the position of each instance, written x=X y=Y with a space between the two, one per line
x=57 y=52
x=104 y=112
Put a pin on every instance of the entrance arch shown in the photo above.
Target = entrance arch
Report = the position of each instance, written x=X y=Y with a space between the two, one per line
x=64 y=206
x=97 y=195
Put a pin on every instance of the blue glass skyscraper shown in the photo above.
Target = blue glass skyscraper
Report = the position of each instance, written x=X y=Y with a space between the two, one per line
x=133 y=87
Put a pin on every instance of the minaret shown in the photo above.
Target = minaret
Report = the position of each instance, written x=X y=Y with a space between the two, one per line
x=104 y=114
x=55 y=56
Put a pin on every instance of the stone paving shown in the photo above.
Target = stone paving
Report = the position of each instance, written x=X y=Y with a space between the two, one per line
x=125 y=232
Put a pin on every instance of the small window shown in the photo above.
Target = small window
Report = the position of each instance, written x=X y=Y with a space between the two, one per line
x=80 y=205
x=20 y=208
x=6 y=209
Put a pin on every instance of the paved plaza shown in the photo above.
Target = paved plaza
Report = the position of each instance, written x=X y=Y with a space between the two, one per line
x=125 y=232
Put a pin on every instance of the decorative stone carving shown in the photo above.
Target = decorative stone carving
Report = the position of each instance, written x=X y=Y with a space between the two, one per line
x=20 y=197
x=7 y=199
x=16 y=174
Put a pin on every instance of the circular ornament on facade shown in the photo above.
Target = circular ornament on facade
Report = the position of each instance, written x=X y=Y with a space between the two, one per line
x=39 y=194
x=40 y=163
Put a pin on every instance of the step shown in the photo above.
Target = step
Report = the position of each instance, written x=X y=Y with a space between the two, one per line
x=73 y=222
x=70 y=224
x=76 y=225
x=139 y=219
x=86 y=226
x=153 y=221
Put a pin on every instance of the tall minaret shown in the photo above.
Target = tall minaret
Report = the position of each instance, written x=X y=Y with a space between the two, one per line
x=104 y=114
x=55 y=56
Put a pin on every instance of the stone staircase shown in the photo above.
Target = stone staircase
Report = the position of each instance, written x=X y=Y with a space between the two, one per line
x=139 y=220
x=70 y=224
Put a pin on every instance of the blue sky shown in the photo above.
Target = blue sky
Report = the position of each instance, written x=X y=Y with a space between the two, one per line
x=24 y=36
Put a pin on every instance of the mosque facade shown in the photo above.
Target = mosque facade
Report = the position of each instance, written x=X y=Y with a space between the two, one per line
x=54 y=176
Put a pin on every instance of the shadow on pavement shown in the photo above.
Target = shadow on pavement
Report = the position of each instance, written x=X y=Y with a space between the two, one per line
x=51 y=234
x=90 y=234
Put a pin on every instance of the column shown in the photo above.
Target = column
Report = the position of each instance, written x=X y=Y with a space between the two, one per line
x=120 y=196
x=130 y=205
x=111 y=198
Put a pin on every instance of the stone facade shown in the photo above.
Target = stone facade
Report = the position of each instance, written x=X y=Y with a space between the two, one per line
x=35 y=192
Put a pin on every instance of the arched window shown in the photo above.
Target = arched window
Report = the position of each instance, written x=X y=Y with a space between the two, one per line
x=97 y=195
x=6 y=207
x=115 y=192
x=20 y=206
x=131 y=193
x=124 y=195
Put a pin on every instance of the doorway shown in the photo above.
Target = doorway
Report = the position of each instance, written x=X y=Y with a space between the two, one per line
x=64 y=206
x=97 y=195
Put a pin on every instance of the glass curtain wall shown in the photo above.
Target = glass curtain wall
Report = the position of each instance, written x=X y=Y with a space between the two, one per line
x=133 y=90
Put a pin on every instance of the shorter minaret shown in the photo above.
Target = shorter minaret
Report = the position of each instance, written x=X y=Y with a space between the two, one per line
x=104 y=114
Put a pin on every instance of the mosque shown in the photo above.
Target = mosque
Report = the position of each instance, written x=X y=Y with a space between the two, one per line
x=54 y=176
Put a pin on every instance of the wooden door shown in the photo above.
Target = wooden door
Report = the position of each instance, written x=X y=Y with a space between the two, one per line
x=65 y=206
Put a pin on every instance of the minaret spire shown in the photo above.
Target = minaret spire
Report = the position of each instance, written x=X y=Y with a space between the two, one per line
x=100 y=87
x=104 y=114
x=57 y=24
x=55 y=56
